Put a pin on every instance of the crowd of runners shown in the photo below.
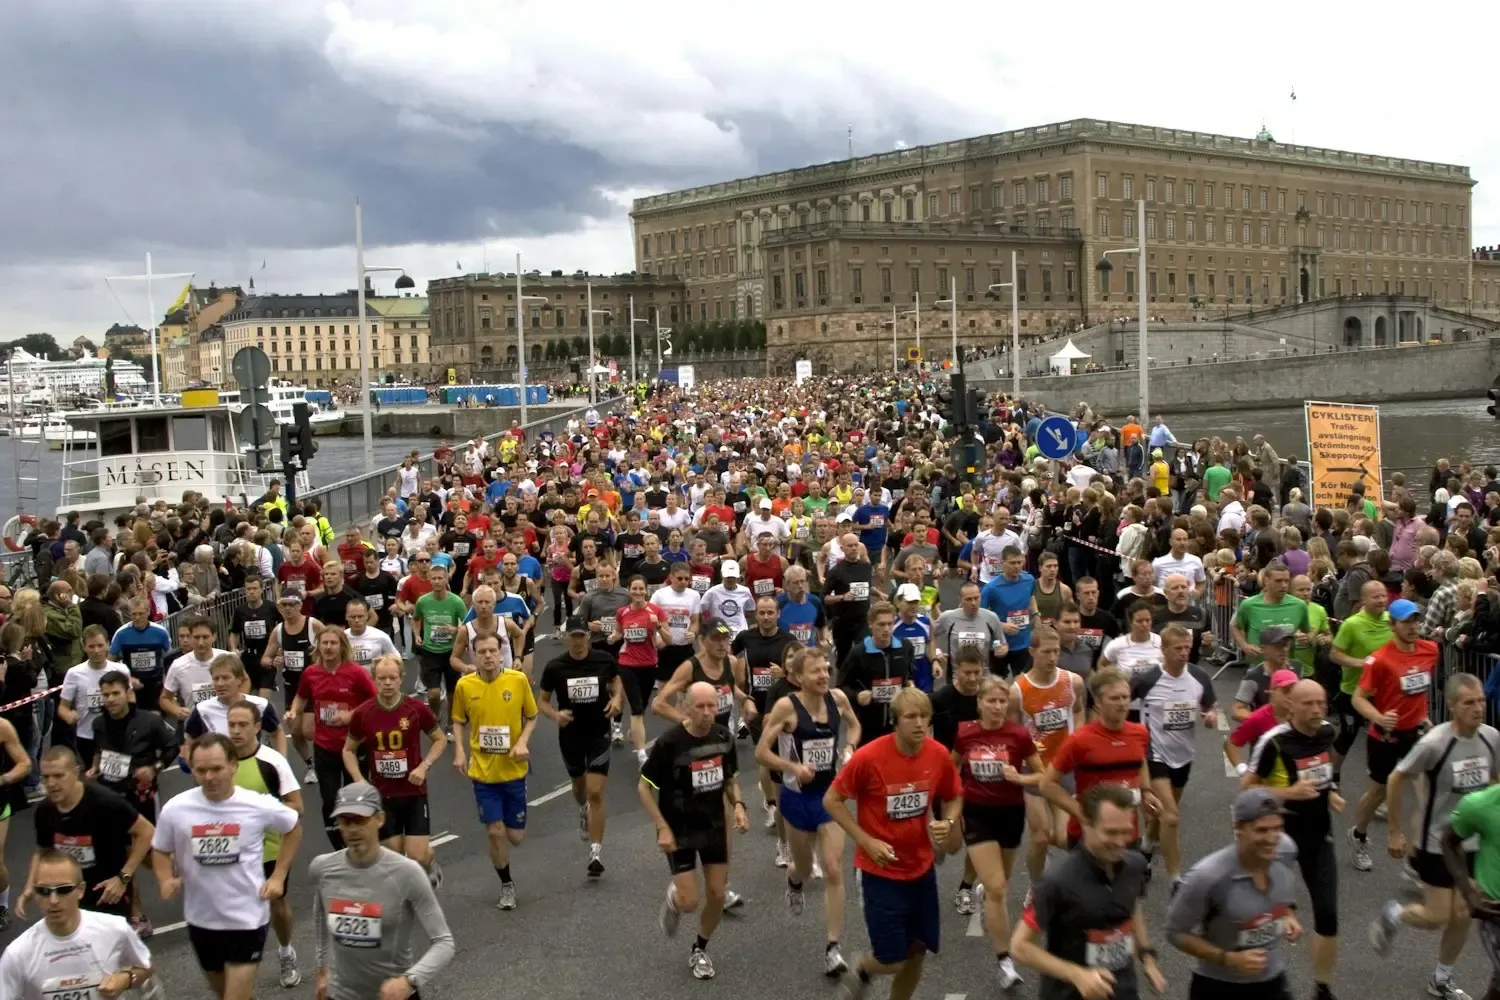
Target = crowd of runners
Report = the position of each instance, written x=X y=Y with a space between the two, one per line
x=760 y=567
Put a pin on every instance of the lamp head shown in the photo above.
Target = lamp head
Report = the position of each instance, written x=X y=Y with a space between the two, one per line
x=1104 y=266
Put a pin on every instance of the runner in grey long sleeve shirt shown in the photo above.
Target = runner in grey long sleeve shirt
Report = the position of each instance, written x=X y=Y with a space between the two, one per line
x=967 y=625
x=368 y=900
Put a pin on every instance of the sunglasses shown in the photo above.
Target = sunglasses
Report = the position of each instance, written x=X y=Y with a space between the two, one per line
x=421 y=560
x=60 y=891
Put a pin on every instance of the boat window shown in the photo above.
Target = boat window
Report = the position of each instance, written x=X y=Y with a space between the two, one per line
x=114 y=438
x=222 y=440
x=189 y=434
x=151 y=434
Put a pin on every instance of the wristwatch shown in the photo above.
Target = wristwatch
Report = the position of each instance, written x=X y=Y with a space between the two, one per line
x=125 y=878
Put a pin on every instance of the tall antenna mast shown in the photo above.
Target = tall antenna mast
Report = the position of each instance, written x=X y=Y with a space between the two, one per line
x=851 y=140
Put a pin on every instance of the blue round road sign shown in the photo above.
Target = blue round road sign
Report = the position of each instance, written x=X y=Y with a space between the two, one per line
x=1056 y=438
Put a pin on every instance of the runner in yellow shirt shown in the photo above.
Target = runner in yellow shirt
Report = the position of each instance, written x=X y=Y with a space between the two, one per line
x=494 y=714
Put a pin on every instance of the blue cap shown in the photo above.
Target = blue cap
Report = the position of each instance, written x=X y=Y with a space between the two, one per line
x=1403 y=609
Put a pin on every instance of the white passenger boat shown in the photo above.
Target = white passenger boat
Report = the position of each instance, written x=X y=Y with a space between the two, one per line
x=54 y=429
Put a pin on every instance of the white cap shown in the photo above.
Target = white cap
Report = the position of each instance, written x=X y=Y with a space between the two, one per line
x=847 y=514
x=729 y=568
x=908 y=592
x=765 y=503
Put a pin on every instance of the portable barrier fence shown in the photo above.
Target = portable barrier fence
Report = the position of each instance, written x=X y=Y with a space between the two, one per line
x=219 y=609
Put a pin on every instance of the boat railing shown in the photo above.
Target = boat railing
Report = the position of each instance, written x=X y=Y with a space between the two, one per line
x=354 y=501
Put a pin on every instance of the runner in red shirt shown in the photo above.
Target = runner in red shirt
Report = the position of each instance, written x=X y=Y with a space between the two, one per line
x=1261 y=721
x=390 y=727
x=299 y=574
x=332 y=688
x=989 y=752
x=1392 y=695
x=894 y=781
x=1108 y=750
x=642 y=627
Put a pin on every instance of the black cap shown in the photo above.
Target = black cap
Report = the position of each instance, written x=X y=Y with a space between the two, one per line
x=577 y=625
x=718 y=628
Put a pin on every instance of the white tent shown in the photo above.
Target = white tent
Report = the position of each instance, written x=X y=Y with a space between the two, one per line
x=599 y=370
x=1062 y=361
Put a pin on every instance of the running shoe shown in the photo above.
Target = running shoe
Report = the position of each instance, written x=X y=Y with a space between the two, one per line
x=833 y=962
x=1007 y=974
x=311 y=777
x=796 y=899
x=770 y=820
x=1359 y=852
x=596 y=862
x=616 y=734
x=817 y=866
x=701 y=964
x=963 y=901
x=290 y=977
x=1445 y=990
x=435 y=875
x=640 y=758
x=670 y=916
x=507 y=896
x=783 y=854
x=141 y=925
x=1384 y=927
x=733 y=900
x=1382 y=812
x=743 y=733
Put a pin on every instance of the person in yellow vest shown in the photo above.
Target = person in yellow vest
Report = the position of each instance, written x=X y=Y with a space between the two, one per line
x=272 y=499
x=326 y=534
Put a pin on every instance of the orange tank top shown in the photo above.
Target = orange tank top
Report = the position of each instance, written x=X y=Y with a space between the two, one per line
x=1047 y=712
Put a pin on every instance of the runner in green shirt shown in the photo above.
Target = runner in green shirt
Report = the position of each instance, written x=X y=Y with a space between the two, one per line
x=1361 y=634
x=1274 y=605
x=1317 y=633
x=815 y=505
x=437 y=617
x=1215 y=478
x=1478 y=815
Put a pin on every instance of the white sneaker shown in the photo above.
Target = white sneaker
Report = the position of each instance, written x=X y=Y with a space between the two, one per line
x=311 y=777
x=1007 y=974
x=596 y=861
x=670 y=915
x=616 y=734
x=796 y=900
x=733 y=900
x=640 y=758
x=507 y=896
x=701 y=964
x=963 y=902
x=435 y=875
x=1381 y=812
x=290 y=977
x=770 y=820
x=783 y=855
x=833 y=962
x=817 y=867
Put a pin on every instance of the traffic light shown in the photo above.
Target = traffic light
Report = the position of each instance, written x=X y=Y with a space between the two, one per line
x=307 y=445
x=288 y=447
x=976 y=402
x=953 y=401
x=1494 y=406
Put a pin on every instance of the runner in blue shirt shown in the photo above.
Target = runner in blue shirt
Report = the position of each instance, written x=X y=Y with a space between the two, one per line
x=915 y=630
x=871 y=518
x=143 y=646
x=799 y=612
x=1012 y=597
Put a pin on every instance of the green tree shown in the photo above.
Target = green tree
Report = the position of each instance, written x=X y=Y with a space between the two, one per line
x=744 y=337
x=686 y=341
x=758 y=335
x=581 y=347
x=43 y=345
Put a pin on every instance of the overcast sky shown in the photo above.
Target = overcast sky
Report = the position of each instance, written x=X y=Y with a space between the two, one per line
x=221 y=134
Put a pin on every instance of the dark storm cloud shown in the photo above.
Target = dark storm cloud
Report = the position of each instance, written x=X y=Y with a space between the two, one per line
x=138 y=137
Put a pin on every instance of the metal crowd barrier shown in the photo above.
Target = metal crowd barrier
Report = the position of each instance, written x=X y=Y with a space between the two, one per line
x=356 y=500
x=17 y=569
x=219 y=609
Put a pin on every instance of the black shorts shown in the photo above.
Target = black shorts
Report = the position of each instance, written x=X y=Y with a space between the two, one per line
x=261 y=677
x=1013 y=664
x=715 y=851
x=585 y=755
x=637 y=682
x=529 y=645
x=1203 y=988
x=217 y=949
x=1384 y=755
x=149 y=694
x=669 y=658
x=290 y=681
x=1433 y=870
x=1003 y=825
x=1319 y=866
x=269 y=869
x=1178 y=776
x=435 y=668
x=407 y=816
x=91 y=902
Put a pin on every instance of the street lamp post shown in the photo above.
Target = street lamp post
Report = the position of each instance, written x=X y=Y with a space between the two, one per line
x=895 y=352
x=1015 y=328
x=521 y=300
x=633 y=322
x=589 y=290
x=1104 y=267
x=952 y=303
x=361 y=270
x=660 y=357
x=917 y=315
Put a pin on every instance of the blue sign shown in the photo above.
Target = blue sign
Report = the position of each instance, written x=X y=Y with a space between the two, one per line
x=1056 y=438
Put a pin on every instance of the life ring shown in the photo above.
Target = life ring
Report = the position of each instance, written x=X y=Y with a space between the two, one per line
x=16 y=530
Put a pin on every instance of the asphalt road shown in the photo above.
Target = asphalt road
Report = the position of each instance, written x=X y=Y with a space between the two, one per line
x=572 y=936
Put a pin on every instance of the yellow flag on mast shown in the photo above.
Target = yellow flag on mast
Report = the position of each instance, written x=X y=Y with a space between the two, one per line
x=181 y=299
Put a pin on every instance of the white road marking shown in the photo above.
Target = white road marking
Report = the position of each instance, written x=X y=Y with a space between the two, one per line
x=1223 y=722
x=1229 y=770
x=439 y=841
x=559 y=790
x=976 y=926
x=169 y=928
x=955 y=996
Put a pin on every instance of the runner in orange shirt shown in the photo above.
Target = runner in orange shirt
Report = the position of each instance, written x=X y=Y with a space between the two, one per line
x=1049 y=702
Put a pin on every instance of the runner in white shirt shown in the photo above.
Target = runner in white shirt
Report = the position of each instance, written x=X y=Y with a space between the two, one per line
x=81 y=702
x=674 y=515
x=71 y=952
x=208 y=843
x=990 y=544
x=760 y=523
x=729 y=602
x=188 y=681
x=1181 y=561
x=369 y=642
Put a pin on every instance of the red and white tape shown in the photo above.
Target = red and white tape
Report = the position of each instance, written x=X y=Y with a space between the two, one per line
x=31 y=698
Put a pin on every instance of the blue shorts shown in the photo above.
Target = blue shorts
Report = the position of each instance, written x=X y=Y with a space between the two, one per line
x=502 y=802
x=899 y=914
x=803 y=810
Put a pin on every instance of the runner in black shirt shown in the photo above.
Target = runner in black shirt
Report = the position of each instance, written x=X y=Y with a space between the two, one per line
x=765 y=649
x=631 y=546
x=459 y=543
x=331 y=608
x=586 y=684
x=653 y=568
x=378 y=588
x=95 y=827
x=250 y=631
x=846 y=594
x=688 y=788
x=134 y=745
